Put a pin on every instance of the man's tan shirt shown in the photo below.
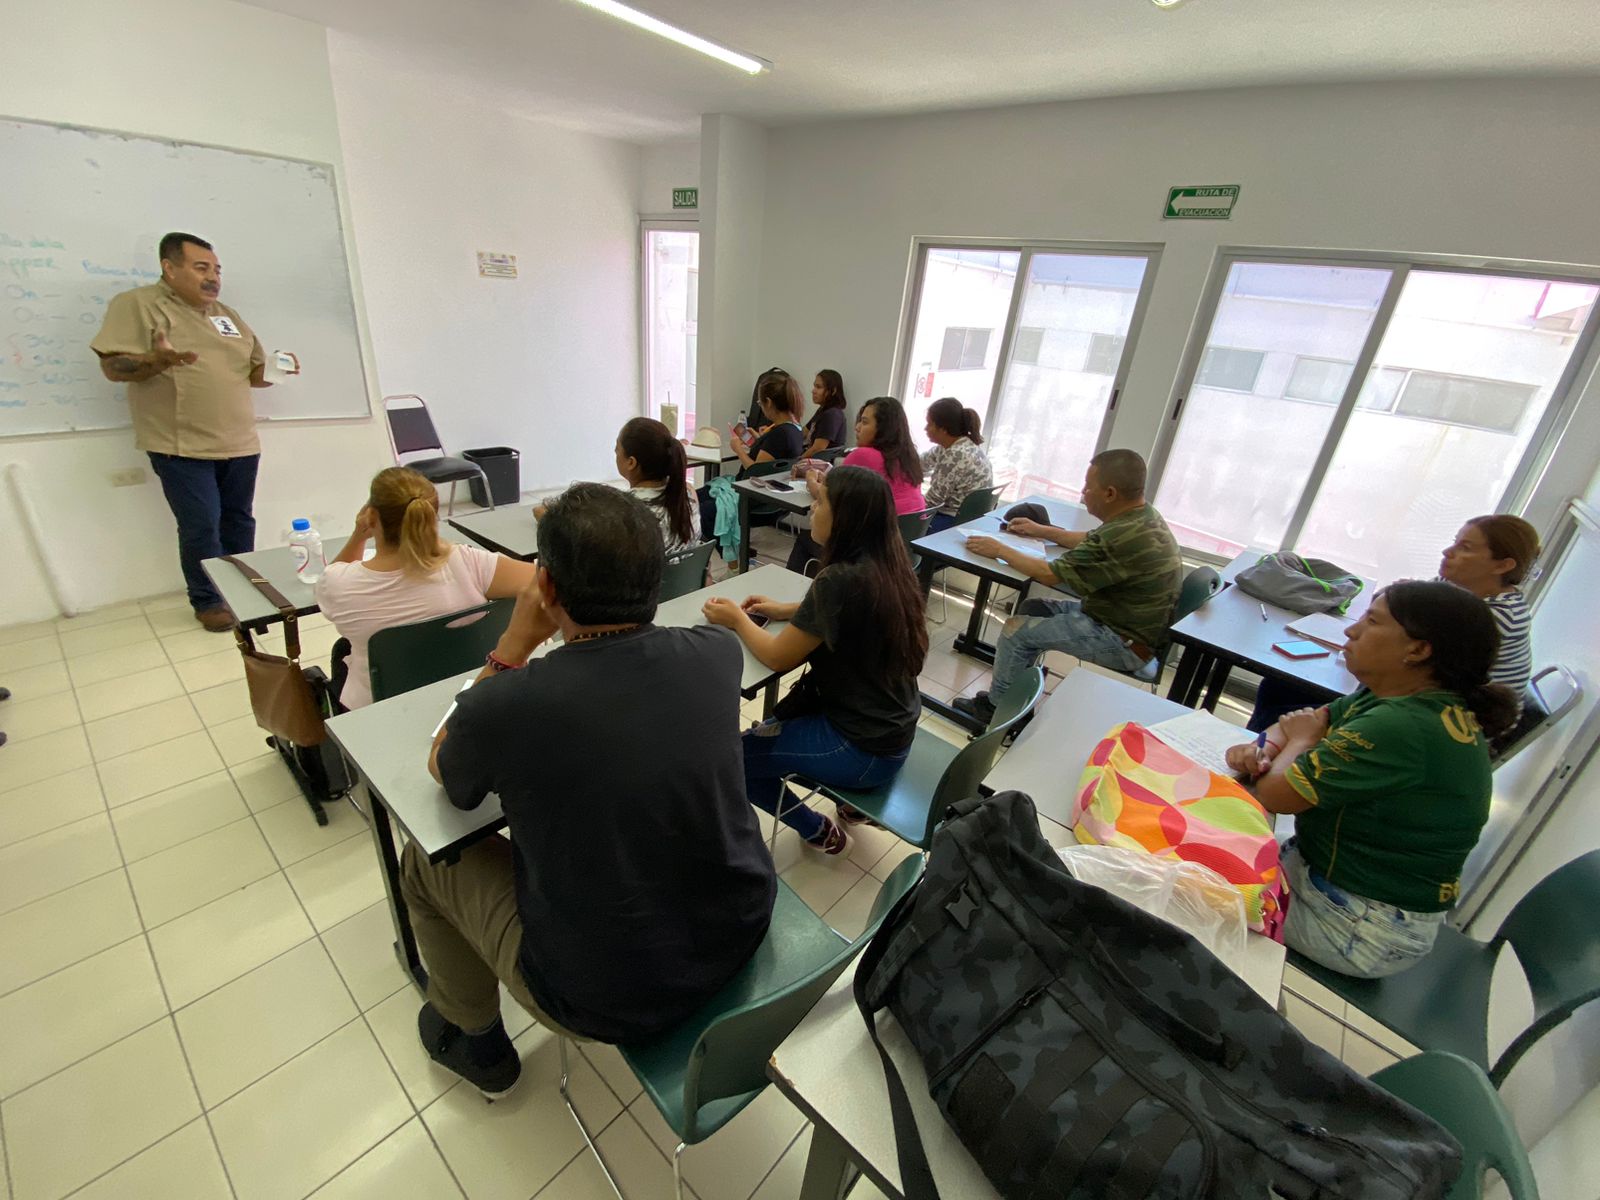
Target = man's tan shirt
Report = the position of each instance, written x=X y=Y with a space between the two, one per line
x=202 y=410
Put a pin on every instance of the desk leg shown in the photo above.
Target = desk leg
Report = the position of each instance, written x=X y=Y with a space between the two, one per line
x=405 y=942
x=769 y=697
x=744 y=533
x=1219 y=678
x=1183 y=677
x=829 y=1171
x=971 y=642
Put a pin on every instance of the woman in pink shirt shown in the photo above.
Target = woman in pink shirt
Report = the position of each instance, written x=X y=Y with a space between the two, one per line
x=413 y=576
x=884 y=447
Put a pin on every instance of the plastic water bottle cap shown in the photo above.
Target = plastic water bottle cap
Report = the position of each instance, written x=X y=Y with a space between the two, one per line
x=299 y=524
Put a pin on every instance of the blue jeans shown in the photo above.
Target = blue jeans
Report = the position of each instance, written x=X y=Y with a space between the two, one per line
x=1348 y=933
x=941 y=520
x=813 y=748
x=211 y=498
x=1042 y=625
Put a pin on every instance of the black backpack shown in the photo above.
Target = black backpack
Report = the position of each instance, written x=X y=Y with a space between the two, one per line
x=1081 y=1047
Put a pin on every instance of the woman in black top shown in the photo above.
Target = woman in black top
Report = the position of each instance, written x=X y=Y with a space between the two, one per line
x=860 y=630
x=781 y=436
x=757 y=420
x=825 y=429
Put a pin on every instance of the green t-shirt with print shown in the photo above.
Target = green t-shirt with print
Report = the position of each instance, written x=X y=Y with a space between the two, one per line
x=1399 y=789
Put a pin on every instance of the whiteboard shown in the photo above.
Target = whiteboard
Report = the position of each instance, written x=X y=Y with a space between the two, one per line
x=81 y=214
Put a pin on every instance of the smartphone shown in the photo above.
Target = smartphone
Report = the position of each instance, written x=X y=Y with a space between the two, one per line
x=775 y=485
x=1302 y=649
x=760 y=620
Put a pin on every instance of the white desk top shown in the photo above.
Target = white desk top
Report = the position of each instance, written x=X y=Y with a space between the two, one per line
x=1048 y=756
x=388 y=741
x=512 y=530
x=1230 y=624
x=793 y=494
x=949 y=545
x=276 y=565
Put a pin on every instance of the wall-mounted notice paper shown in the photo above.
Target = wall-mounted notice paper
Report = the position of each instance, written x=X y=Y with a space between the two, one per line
x=497 y=266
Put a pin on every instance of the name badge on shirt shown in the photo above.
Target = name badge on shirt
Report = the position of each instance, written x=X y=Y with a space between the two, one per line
x=226 y=327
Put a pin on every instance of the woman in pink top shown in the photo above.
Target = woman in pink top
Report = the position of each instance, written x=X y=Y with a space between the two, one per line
x=413 y=576
x=884 y=447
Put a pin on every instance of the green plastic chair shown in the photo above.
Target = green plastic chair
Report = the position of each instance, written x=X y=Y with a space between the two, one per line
x=913 y=526
x=1442 y=1003
x=706 y=1071
x=403 y=658
x=1460 y=1097
x=685 y=571
x=1198 y=586
x=936 y=774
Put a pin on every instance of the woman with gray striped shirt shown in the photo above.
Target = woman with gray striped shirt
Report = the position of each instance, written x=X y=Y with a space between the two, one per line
x=1490 y=557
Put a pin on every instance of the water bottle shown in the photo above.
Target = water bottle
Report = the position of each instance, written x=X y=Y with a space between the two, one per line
x=305 y=543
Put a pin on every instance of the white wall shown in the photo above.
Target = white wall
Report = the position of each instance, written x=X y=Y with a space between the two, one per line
x=1472 y=167
x=262 y=85
x=547 y=362
x=663 y=167
x=733 y=191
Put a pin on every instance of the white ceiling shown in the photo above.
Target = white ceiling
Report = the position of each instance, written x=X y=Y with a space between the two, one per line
x=558 y=61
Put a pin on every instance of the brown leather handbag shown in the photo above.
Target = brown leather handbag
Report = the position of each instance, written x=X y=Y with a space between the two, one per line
x=280 y=695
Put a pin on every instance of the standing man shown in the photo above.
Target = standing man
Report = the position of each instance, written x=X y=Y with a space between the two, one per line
x=189 y=363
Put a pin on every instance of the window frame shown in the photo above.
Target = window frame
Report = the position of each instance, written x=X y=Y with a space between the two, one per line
x=900 y=370
x=1542 y=441
x=647 y=226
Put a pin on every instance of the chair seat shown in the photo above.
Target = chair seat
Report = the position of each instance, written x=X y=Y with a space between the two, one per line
x=445 y=470
x=1438 y=1004
x=798 y=942
x=901 y=805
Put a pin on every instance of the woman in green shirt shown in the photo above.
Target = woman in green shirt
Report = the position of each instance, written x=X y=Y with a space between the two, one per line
x=1389 y=785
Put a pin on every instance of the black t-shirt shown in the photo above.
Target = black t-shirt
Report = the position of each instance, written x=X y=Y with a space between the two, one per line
x=876 y=712
x=781 y=441
x=826 y=423
x=641 y=878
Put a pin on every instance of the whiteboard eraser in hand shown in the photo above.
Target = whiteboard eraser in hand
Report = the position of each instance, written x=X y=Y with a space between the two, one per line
x=285 y=362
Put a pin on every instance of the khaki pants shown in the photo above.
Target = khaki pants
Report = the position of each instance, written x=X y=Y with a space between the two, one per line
x=465 y=918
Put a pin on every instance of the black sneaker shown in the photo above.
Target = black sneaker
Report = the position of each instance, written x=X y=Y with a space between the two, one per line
x=977 y=707
x=488 y=1061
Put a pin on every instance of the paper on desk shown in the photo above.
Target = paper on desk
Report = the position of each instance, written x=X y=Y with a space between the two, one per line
x=1026 y=545
x=451 y=711
x=1202 y=737
x=1325 y=628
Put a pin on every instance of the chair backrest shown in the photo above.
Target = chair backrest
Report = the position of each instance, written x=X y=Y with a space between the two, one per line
x=914 y=525
x=832 y=453
x=1542 y=707
x=976 y=504
x=1457 y=1094
x=730 y=1057
x=685 y=571
x=405 y=657
x=411 y=429
x=1199 y=585
x=971 y=766
x=1551 y=929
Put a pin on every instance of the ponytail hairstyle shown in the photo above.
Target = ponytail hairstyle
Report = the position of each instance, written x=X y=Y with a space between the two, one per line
x=948 y=414
x=660 y=457
x=889 y=630
x=1509 y=537
x=832 y=389
x=407 y=505
x=1462 y=640
x=893 y=440
x=782 y=391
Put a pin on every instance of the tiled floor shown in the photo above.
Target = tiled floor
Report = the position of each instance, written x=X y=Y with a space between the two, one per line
x=197 y=993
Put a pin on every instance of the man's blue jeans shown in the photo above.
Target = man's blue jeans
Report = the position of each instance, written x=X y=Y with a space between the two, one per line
x=813 y=748
x=1042 y=625
x=211 y=498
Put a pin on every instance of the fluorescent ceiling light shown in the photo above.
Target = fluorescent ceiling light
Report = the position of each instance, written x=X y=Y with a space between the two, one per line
x=672 y=33
x=1166 y=3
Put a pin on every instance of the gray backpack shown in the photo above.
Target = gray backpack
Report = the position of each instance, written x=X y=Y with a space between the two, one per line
x=1302 y=585
x=1083 y=1048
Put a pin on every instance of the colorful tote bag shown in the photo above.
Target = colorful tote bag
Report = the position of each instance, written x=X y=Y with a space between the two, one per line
x=1138 y=792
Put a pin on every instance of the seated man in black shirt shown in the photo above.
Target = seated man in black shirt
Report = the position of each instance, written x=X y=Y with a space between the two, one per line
x=635 y=883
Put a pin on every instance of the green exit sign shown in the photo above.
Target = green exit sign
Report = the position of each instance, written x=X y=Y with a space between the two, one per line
x=1211 y=203
x=685 y=197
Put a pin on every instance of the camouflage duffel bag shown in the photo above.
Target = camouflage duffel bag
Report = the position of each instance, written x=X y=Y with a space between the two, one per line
x=1081 y=1047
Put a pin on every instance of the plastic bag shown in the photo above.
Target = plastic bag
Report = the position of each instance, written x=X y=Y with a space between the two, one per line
x=1193 y=897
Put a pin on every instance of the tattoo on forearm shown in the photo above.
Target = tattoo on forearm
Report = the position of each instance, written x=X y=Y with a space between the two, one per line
x=123 y=363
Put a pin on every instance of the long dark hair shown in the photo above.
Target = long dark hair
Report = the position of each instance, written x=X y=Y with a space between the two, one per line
x=891 y=634
x=832 y=389
x=1461 y=635
x=893 y=439
x=660 y=456
x=949 y=415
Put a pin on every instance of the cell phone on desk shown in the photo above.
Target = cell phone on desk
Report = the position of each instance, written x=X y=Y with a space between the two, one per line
x=759 y=620
x=774 y=485
x=1301 y=649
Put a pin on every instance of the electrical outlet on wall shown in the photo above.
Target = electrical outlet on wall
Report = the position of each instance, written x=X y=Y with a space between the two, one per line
x=131 y=477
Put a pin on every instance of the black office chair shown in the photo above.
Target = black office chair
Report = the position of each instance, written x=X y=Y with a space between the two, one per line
x=411 y=431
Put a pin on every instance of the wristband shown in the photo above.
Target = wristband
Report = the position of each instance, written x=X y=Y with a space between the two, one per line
x=497 y=664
